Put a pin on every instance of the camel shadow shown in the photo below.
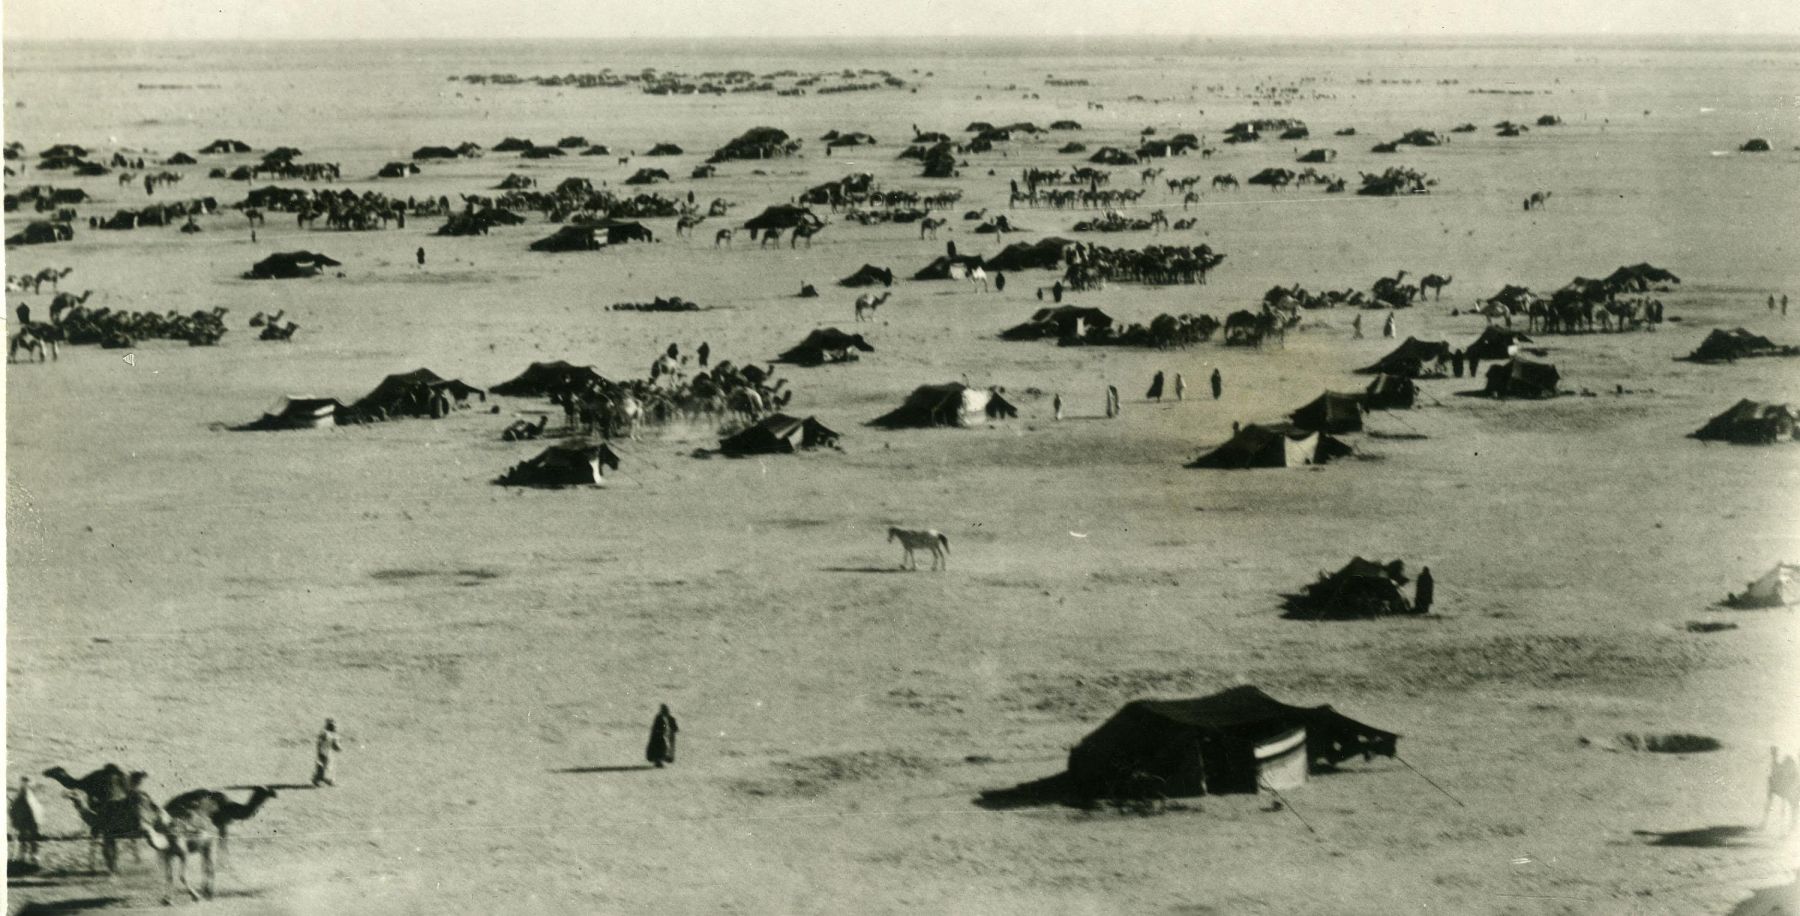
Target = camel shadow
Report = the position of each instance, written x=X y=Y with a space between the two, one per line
x=633 y=768
x=1715 y=837
x=865 y=569
x=277 y=786
x=78 y=905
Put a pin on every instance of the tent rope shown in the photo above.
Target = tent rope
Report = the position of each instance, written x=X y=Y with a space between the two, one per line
x=1286 y=804
x=1428 y=779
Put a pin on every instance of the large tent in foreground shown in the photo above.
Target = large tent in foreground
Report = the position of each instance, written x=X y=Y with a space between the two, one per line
x=779 y=434
x=1273 y=446
x=1238 y=740
x=1389 y=391
x=564 y=465
x=1414 y=358
x=1750 y=423
x=1779 y=587
x=954 y=404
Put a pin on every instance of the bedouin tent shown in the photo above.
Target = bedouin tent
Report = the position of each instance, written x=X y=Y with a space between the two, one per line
x=1237 y=740
x=570 y=238
x=1495 y=344
x=1043 y=254
x=779 y=434
x=1779 y=587
x=1750 y=423
x=945 y=267
x=1331 y=412
x=291 y=264
x=293 y=412
x=953 y=404
x=1363 y=588
x=1522 y=378
x=1273 y=446
x=782 y=217
x=1060 y=322
x=868 y=275
x=826 y=345
x=564 y=465
x=419 y=393
x=1639 y=278
x=1724 y=346
x=551 y=378
x=1414 y=358
x=226 y=146
x=1387 y=391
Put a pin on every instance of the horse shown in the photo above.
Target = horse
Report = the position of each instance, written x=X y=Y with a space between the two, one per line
x=929 y=539
x=978 y=275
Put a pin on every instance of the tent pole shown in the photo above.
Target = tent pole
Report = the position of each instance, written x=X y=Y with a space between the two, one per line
x=1286 y=804
x=1434 y=785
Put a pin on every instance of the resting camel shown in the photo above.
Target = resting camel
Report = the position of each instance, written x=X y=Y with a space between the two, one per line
x=218 y=808
x=723 y=236
x=930 y=226
x=869 y=302
x=1784 y=783
x=1434 y=284
x=259 y=319
x=913 y=541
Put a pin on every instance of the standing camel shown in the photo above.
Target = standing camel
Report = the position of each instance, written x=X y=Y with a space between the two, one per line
x=804 y=231
x=112 y=820
x=929 y=226
x=1537 y=200
x=218 y=808
x=179 y=836
x=869 y=302
x=1434 y=284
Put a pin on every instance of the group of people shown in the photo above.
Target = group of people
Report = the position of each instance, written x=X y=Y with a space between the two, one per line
x=1114 y=408
x=1784 y=301
x=1387 y=327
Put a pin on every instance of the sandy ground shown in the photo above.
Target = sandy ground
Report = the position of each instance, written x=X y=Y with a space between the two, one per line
x=193 y=602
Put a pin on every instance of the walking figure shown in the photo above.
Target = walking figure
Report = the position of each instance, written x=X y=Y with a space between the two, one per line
x=1218 y=384
x=328 y=747
x=1180 y=387
x=661 y=749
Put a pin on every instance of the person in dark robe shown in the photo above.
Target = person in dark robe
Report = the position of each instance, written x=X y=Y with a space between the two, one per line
x=1456 y=362
x=663 y=729
x=1056 y=291
x=1474 y=363
x=421 y=255
x=24 y=312
x=674 y=351
x=1040 y=294
x=1218 y=384
x=1423 y=591
x=999 y=282
x=1156 y=386
x=705 y=352
x=950 y=249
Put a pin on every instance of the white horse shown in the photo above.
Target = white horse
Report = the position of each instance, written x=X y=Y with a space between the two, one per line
x=929 y=539
x=979 y=276
x=628 y=408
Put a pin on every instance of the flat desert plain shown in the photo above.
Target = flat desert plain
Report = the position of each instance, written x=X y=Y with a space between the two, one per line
x=193 y=602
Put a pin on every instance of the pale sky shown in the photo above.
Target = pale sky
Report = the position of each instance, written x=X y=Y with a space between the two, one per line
x=476 y=19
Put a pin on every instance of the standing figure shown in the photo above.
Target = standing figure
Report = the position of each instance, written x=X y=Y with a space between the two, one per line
x=1056 y=291
x=1218 y=384
x=1456 y=361
x=999 y=282
x=328 y=747
x=421 y=255
x=663 y=729
x=25 y=818
x=24 y=313
x=1056 y=405
x=1474 y=362
x=1112 y=401
x=1424 y=591
x=1180 y=387
x=705 y=352
x=1387 y=327
x=1156 y=388
x=1356 y=327
x=1771 y=303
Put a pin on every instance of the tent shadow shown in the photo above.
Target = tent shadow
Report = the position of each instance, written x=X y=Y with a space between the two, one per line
x=1051 y=791
x=78 y=905
x=865 y=569
x=632 y=768
x=1717 y=836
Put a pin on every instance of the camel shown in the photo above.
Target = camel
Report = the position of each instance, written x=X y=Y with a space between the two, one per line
x=179 y=836
x=722 y=236
x=520 y=430
x=217 y=807
x=686 y=223
x=1784 y=783
x=769 y=236
x=1149 y=175
x=112 y=820
x=1159 y=220
x=747 y=402
x=1224 y=181
x=1493 y=310
x=28 y=341
x=1537 y=200
x=1434 y=284
x=1192 y=197
x=869 y=302
x=254 y=215
x=259 y=319
x=49 y=275
x=68 y=301
x=930 y=226
x=804 y=231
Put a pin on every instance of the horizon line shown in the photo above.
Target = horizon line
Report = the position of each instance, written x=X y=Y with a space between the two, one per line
x=1689 y=35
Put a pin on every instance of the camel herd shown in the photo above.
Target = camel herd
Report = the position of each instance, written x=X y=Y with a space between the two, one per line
x=116 y=809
